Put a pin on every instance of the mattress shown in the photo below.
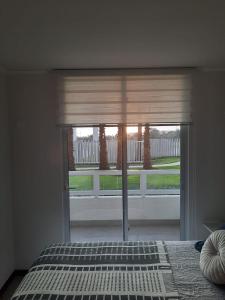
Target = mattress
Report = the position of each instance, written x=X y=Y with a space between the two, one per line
x=189 y=280
x=146 y=270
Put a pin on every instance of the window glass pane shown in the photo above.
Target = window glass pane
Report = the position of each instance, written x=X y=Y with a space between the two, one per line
x=95 y=183
x=153 y=160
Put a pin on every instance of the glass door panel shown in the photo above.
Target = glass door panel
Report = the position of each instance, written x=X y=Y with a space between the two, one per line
x=153 y=169
x=95 y=184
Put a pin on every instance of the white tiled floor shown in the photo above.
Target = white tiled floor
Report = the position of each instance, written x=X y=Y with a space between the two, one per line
x=136 y=233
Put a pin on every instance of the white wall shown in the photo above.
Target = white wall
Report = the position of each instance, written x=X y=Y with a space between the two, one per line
x=208 y=133
x=37 y=165
x=6 y=224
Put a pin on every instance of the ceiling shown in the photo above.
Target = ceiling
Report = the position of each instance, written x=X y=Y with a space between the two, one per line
x=49 y=34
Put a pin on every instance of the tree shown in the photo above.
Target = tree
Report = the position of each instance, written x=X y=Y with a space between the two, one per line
x=147 y=154
x=71 y=162
x=119 y=148
x=103 y=165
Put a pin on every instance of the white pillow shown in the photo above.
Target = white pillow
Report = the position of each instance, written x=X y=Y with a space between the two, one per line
x=212 y=258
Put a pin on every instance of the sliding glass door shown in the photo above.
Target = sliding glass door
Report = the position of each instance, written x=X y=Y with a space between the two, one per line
x=124 y=182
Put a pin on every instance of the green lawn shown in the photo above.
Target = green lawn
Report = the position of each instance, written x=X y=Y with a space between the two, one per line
x=156 y=181
x=165 y=160
x=81 y=183
x=115 y=182
x=156 y=161
x=177 y=167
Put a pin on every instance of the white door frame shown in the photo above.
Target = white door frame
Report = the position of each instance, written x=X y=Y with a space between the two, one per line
x=185 y=199
x=66 y=196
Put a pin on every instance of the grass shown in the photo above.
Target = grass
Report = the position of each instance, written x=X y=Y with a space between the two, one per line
x=115 y=182
x=156 y=161
x=158 y=181
x=177 y=167
x=165 y=160
x=155 y=181
x=81 y=183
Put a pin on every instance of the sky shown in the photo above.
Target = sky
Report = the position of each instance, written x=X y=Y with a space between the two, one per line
x=86 y=131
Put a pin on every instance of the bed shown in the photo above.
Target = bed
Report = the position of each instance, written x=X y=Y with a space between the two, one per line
x=145 y=270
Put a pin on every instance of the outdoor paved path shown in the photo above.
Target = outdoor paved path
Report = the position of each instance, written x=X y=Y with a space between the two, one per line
x=177 y=163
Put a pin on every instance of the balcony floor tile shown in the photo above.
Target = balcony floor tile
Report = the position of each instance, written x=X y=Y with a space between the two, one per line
x=137 y=232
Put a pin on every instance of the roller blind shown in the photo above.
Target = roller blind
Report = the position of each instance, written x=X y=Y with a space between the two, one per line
x=127 y=99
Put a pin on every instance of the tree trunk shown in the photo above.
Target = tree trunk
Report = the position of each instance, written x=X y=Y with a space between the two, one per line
x=147 y=154
x=139 y=146
x=103 y=165
x=119 y=148
x=71 y=162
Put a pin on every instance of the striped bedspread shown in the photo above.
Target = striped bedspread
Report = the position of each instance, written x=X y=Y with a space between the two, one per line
x=100 y=271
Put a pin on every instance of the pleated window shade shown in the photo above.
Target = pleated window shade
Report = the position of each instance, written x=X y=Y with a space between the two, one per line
x=131 y=99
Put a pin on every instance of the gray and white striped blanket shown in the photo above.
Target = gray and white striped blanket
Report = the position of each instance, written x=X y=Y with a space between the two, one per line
x=100 y=271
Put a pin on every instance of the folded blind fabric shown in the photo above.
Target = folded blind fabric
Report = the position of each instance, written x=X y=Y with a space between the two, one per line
x=128 y=99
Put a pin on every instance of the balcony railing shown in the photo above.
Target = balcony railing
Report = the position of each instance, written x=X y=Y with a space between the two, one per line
x=142 y=189
x=95 y=201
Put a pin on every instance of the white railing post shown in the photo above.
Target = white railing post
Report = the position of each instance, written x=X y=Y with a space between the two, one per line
x=96 y=183
x=143 y=182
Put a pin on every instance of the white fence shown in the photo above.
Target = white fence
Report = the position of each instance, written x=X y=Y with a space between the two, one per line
x=143 y=188
x=87 y=152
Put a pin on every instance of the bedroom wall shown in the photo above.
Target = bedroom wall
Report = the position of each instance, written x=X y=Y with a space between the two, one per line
x=6 y=221
x=37 y=165
x=37 y=160
x=208 y=133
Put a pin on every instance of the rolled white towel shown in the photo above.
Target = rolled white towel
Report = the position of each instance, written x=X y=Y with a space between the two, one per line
x=212 y=258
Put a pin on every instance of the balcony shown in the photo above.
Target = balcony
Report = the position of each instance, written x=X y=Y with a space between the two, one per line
x=153 y=210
